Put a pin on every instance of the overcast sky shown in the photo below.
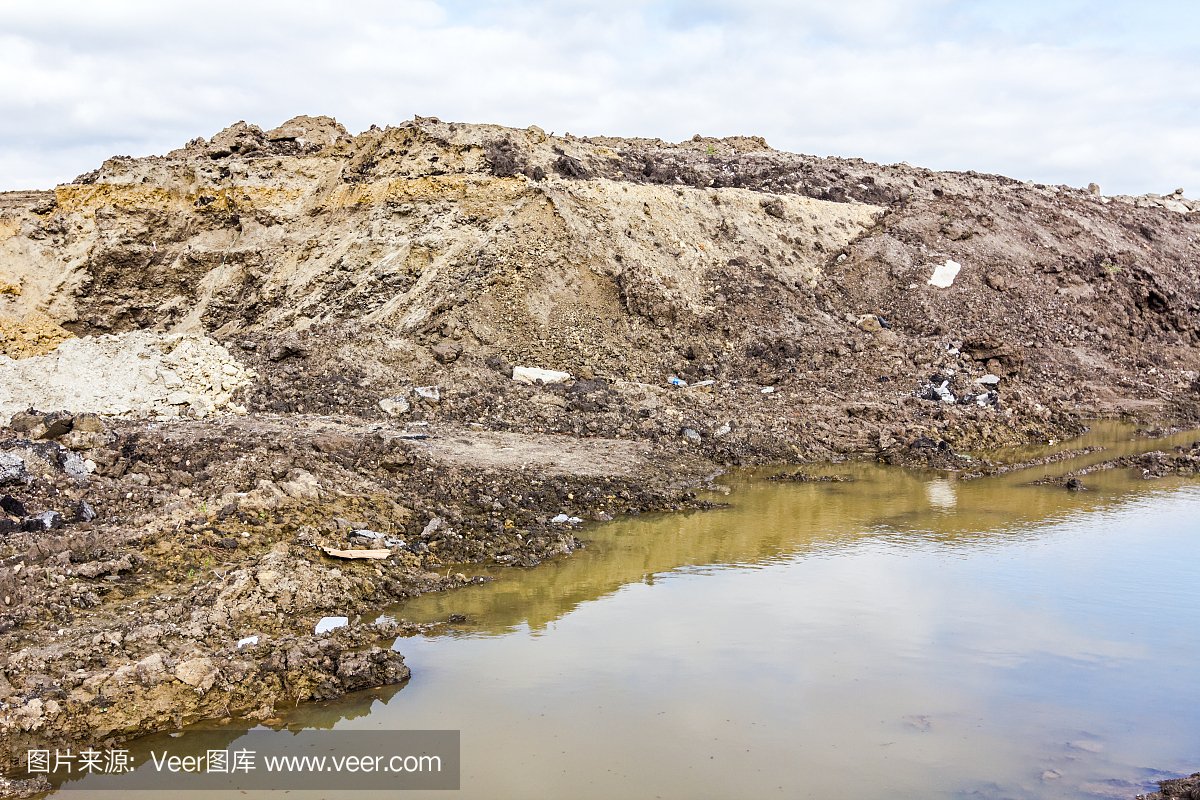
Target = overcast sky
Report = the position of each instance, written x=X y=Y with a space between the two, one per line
x=1058 y=91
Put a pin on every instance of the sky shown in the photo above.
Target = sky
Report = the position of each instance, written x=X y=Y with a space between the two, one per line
x=1057 y=91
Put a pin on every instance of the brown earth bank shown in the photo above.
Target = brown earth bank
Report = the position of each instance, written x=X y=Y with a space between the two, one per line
x=277 y=375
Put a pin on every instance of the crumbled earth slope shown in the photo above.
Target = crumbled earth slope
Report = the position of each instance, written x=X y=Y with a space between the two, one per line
x=342 y=271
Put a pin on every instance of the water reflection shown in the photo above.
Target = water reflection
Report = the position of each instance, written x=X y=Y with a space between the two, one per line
x=772 y=522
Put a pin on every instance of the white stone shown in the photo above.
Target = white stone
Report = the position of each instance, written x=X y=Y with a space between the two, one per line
x=534 y=374
x=431 y=393
x=944 y=274
x=394 y=405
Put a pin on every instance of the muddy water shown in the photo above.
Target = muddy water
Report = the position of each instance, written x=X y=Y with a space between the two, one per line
x=902 y=635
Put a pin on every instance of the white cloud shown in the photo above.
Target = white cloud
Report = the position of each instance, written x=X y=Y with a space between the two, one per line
x=923 y=82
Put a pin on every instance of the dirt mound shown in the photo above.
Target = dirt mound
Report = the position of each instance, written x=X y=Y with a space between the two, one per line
x=350 y=269
x=365 y=299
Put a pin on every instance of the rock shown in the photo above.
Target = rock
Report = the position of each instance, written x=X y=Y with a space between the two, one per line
x=723 y=430
x=11 y=505
x=57 y=424
x=301 y=485
x=26 y=421
x=304 y=130
x=939 y=392
x=1093 y=189
x=997 y=282
x=692 y=435
x=988 y=380
x=84 y=512
x=447 y=352
x=12 y=469
x=89 y=423
x=433 y=394
x=85 y=440
x=287 y=348
x=73 y=464
x=560 y=519
x=46 y=521
x=240 y=138
x=944 y=274
x=113 y=566
x=352 y=555
x=1075 y=485
x=534 y=375
x=869 y=323
x=152 y=669
x=395 y=406
x=774 y=208
x=199 y=673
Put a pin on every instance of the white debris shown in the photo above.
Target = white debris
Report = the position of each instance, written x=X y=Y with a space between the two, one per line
x=536 y=374
x=394 y=406
x=139 y=373
x=944 y=274
x=988 y=380
x=249 y=641
x=767 y=390
x=431 y=393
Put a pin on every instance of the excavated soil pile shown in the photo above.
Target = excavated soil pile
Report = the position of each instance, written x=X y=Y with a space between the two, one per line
x=225 y=368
